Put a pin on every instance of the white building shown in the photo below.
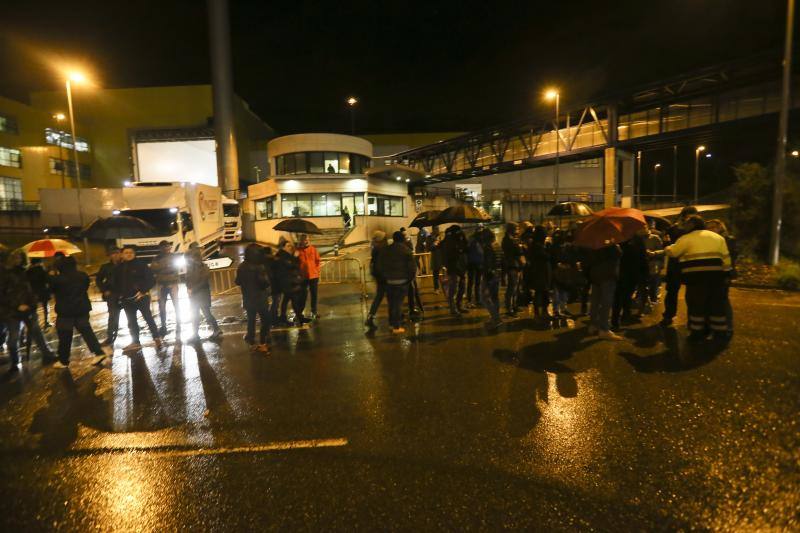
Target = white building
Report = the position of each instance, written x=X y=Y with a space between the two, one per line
x=319 y=176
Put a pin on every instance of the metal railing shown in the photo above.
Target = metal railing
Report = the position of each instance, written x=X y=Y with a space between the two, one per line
x=341 y=270
x=223 y=280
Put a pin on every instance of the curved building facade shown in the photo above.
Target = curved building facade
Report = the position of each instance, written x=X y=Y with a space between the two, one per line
x=327 y=178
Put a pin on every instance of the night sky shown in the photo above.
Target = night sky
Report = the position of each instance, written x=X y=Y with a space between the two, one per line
x=416 y=66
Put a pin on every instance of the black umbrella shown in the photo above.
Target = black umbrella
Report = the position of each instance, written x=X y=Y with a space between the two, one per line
x=661 y=223
x=570 y=209
x=119 y=227
x=462 y=213
x=426 y=218
x=297 y=225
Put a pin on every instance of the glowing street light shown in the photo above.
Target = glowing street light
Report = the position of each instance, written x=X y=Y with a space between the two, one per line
x=795 y=153
x=656 y=167
x=352 y=101
x=697 y=152
x=551 y=95
x=59 y=118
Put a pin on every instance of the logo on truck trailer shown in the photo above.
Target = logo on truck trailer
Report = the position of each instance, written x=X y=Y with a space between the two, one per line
x=207 y=206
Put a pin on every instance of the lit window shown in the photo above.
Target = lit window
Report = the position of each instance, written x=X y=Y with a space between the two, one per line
x=265 y=208
x=10 y=191
x=8 y=124
x=385 y=206
x=10 y=157
x=64 y=139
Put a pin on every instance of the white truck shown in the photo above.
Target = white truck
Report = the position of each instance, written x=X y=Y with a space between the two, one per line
x=232 y=217
x=182 y=213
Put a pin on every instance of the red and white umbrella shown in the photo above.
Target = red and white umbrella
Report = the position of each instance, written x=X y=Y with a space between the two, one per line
x=49 y=248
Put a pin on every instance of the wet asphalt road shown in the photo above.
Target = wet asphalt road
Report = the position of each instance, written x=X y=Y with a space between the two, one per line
x=448 y=427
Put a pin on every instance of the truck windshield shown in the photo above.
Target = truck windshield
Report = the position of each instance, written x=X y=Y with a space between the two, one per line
x=230 y=210
x=164 y=220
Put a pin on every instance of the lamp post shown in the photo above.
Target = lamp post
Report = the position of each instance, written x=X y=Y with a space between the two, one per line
x=656 y=167
x=352 y=101
x=76 y=77
x=59 y=118
x=780 y=152
x=554 y=95
x=697 y=151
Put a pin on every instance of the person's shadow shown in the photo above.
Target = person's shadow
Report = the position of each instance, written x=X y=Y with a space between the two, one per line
x=70 y=403
x=676 y=355
x=530 y=385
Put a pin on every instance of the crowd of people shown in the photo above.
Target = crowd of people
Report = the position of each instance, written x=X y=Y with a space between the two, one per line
x=125 y=283
x=540 y=266
x=542 y=269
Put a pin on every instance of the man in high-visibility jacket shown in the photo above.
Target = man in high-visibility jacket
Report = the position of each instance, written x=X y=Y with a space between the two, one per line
x=704 y=260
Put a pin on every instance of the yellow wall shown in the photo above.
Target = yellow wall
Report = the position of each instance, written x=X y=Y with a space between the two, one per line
x=110 y=116
x=35 y=171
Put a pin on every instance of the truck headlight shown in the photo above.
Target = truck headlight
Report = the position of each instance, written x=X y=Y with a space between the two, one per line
x=180 y=261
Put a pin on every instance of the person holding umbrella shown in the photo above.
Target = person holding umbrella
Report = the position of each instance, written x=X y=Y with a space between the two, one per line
x=37 y=277
x=455 y=261
x=490 y=276
x=603 y=276
x=379 y=243
x=104 y=280
x=514 y=262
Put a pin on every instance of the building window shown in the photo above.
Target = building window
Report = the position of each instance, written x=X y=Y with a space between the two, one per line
x=265 y=208
x=10 y=157
x=64 y=140
x=331 y=204
x=8 y=124
x=67 y=167
x=320 y=163
x=10 y=191
x=385 y=206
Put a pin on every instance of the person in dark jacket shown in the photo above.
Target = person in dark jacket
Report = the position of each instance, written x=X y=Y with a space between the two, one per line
x=603 y=275
x=104 y=280
x=673 y=276
x=454 y=248
x=396 y=264
x=434 y=246
x=490 y=276
x=412 y=291
x=718 y=226
x=288 y=283
x=37 y=277
x=474 y=268
x=198 y=286
x=18 y=307
x=70 y=288
x=514 y=263
x=167 y=277
x=379 y=243
x=540 y=272
x=253 y=278
x=133 y=281
x=633 y=271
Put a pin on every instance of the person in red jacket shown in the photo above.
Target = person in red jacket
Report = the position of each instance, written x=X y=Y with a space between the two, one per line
x=309 y=267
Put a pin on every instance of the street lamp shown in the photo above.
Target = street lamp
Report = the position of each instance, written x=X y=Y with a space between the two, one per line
x=352 y=101
x=780 y=154
x=554 y=95
x=76 y=77
x=59 y=118
x=697 y=151
x=795 y=153
x=656 y=167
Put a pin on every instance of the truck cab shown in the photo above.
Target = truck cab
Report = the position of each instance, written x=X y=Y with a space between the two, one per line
x=232 y=217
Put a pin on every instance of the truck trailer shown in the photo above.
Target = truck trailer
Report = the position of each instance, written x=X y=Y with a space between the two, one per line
x=181 y=213
x=232 y=216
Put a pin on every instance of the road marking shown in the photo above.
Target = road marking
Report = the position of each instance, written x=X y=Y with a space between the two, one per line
x=170 y=451
x=774 y=304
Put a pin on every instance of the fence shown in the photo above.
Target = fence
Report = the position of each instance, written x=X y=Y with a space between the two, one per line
x=345 y=269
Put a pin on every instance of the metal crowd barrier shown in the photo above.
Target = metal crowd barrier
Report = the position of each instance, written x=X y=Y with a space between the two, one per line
x=222 y=281
x=344 y=269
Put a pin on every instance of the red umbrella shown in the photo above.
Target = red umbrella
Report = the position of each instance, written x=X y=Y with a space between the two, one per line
x=610 y=226
x=49 y=247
